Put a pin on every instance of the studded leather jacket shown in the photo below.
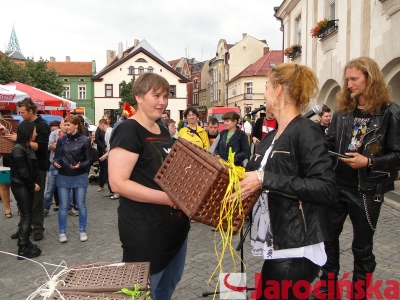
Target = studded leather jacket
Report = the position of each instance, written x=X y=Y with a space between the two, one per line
x=300 y=180
x=381 y=143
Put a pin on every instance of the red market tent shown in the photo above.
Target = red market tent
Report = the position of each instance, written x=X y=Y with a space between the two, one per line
x=43 y=100
x=10 y=96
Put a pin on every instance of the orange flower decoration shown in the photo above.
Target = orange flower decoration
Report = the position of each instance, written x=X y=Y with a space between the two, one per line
x=127 y=110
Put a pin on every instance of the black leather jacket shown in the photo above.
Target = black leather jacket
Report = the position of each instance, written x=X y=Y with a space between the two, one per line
x=299 y=179
x=383 y=136
x=23 y=166
x=72 y=149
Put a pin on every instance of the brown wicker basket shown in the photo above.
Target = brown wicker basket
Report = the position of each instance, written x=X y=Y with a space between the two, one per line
x=106 y=278
x=196 y=181
x=11 y=125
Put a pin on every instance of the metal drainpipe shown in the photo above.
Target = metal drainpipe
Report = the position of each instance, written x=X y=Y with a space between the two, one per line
x=283 y=31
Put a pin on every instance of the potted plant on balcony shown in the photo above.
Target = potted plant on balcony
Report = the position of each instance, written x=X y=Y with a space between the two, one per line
x=293 y=51
x=320 y=27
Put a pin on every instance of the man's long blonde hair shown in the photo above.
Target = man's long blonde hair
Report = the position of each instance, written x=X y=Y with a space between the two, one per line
x=377 y=92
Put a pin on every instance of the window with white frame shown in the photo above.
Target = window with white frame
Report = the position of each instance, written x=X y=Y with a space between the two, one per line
x=131 y=70
x=332 y=9
x=108 y=90
x=298 y=30
x=150 y=69
x=141 y=70
x=195 y=84
x=249 y=88
x=82 y=91
x=66 y=92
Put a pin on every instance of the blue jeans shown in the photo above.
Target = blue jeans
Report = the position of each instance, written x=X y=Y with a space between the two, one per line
x=163 y=283
x=65 y=200
x=51 y=186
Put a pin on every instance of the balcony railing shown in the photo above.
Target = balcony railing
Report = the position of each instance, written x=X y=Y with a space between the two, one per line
x=295 y=54
x=330 y=28
x=248 y=96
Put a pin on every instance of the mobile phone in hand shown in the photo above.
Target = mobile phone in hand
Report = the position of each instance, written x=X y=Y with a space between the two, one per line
x=339 y=155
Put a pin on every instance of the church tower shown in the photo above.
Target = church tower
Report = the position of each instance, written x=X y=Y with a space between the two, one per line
x=13 y=49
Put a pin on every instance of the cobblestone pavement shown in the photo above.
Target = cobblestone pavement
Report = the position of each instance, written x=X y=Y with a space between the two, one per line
x=19 y=278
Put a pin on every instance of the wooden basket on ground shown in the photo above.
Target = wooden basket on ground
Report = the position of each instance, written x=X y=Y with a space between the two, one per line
x=196 y=181
x=11 y=126
x=106 y=278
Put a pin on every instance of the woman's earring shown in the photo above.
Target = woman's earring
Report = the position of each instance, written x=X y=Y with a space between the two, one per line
x=272 y=103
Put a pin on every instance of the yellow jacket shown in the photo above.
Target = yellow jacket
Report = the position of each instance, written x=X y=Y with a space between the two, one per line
x=200 y=139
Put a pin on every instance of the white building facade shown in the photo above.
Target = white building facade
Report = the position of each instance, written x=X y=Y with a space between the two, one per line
x=357 y=28
x=133 y=62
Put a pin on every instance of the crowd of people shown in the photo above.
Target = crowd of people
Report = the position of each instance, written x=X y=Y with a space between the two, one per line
x=311 y=176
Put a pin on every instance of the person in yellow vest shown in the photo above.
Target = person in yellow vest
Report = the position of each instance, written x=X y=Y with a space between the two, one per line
x=193 y=132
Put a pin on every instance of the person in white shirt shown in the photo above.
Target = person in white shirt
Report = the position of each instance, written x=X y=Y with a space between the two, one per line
x=246 y=127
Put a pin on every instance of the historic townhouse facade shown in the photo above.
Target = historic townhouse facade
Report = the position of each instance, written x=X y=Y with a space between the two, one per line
x=204 y=91
x=230 y=60
x=355 y=28
x=246 y=90
x=140 y=58
x=76 y=78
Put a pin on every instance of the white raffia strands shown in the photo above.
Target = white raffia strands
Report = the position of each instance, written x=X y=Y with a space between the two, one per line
x=47 y=289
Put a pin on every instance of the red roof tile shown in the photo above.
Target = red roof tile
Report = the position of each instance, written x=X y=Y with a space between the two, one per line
x=71 y=68
x=173 y=63
x=262 y=66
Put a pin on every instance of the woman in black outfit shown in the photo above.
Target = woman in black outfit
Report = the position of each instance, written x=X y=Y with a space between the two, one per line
x=24 y=183
x=293 y=170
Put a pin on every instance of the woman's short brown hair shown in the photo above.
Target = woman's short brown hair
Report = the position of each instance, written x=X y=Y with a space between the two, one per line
x=147 y=82
x=231 y=115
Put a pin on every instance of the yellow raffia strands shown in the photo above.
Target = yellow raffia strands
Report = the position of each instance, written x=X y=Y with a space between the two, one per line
x=231 y=201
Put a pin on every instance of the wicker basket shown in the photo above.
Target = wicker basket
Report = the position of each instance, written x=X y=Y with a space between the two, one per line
x=196 y=181
x=11 y=125
x=106 y=278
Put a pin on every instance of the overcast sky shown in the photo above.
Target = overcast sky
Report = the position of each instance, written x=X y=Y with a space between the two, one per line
x=85 y=29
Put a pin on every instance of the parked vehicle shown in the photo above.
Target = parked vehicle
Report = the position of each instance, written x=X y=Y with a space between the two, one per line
x=47 y=118
x=218 y=111
x=89 y=126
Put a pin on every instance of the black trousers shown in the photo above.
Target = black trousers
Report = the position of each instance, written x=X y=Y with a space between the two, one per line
x=289 y=270
x=24 y=199
x=364 y=213
x=38 y=205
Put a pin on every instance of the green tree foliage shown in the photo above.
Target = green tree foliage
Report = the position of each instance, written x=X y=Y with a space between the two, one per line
x=42 y=78
x=11 y=71
x=126 y=93
x=32 y=73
